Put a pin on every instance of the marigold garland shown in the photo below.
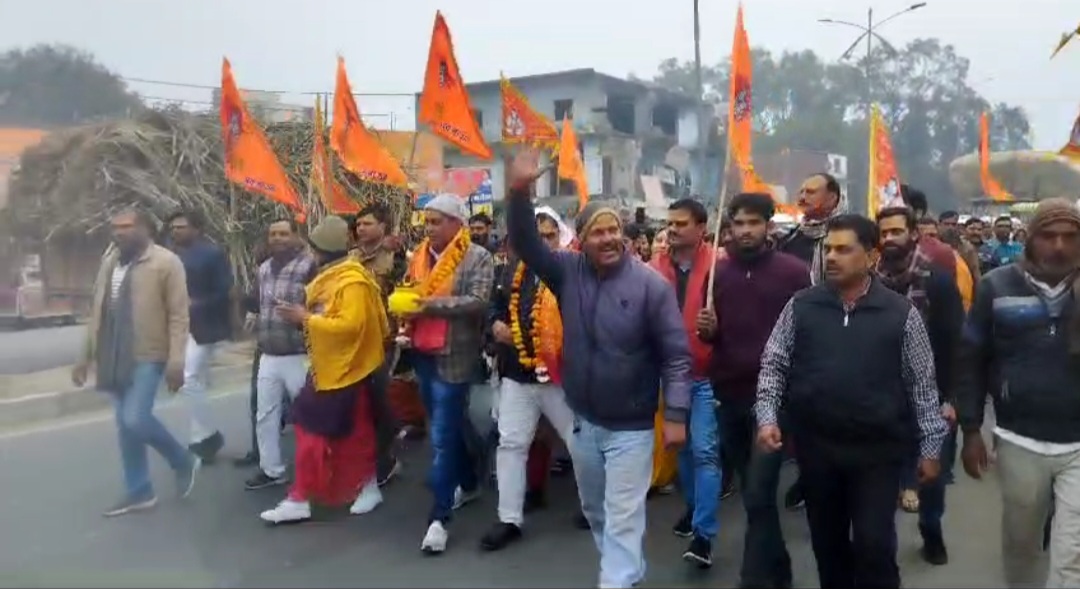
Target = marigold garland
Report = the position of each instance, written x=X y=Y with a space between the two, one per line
x=535 y=336
x=442 y=275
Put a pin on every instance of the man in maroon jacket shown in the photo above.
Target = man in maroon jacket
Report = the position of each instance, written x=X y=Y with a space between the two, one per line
x=751 y=288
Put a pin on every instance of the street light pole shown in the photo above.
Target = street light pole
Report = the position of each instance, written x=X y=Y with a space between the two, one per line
x=869 y=32
x=699 y=88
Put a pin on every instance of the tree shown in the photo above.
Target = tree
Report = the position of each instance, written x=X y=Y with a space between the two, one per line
x=803 y=102
x=57 y=85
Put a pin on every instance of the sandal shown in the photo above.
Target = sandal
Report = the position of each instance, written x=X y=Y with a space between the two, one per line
x=909 y=501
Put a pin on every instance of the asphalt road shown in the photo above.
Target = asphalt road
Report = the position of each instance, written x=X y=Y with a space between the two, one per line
x=22 y=352
x=57 y=479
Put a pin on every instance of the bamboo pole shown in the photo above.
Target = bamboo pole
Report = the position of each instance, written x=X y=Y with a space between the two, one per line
x=719 y=224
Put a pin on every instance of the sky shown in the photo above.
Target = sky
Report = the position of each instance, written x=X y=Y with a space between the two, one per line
x=290 y=45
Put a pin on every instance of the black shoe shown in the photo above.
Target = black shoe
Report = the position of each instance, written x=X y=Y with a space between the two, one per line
x=581 y=522
x=933 y=549
x=207 y=448
x=500 y=536
x=727 y=490
x=699 y=552
x=684 y=528
x=793 y=499
x=387 y=474
x=261 y=480
x=535 y=500
x=247 y=460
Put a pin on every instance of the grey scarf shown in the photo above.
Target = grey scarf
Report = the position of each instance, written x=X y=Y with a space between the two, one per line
x=116 y=336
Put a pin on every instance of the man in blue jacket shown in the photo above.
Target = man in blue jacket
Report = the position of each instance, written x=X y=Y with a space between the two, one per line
x=209 y=282
x=623 y=336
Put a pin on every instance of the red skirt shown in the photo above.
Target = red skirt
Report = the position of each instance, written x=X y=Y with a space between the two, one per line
x=332 y=471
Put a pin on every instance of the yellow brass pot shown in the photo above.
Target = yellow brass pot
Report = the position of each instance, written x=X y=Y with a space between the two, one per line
x=405 y=300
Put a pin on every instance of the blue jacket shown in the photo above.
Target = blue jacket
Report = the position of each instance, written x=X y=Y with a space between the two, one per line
x=623 y=333
x=209 y=283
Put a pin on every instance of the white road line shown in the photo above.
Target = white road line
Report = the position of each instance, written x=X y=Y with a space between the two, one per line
x=65 y=423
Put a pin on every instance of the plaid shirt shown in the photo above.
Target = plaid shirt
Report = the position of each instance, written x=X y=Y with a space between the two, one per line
x=918 y=374
x=275 y=336
x=465 y=309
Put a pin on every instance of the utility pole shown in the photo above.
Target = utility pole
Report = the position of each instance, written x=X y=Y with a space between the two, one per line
x=869 y=32
x=703 y=123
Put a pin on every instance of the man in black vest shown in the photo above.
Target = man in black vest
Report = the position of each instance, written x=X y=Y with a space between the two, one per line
x=854 y=418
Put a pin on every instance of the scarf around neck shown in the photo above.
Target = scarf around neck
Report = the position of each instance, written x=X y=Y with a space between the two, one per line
x=909 y=280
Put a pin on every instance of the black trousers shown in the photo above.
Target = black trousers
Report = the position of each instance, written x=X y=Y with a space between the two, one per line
x=851 y=510
x=253 y=401
x=386 y=424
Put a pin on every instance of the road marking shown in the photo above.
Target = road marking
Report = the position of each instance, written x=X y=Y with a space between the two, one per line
x=66 y=423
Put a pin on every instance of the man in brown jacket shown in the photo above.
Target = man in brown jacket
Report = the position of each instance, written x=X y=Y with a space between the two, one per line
x=369 y=233
x=137 y=335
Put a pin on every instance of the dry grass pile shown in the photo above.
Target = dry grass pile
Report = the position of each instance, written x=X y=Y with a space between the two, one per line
x=163 y=161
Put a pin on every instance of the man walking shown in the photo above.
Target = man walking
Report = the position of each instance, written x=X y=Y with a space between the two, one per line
x=282 y=371
x=753 y=283
x=853 y=419
x=1021 y=343
x=209 y=284
x=904 y=270
x=369 y=234
x=137 y=334
x=686 y=266
x=623 y=336
x=455 y=278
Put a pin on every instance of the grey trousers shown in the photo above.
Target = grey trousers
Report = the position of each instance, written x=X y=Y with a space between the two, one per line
x=1032 y=484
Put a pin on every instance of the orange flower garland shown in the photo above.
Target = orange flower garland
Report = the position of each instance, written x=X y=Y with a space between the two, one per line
x=441 y=277
x=516 y=331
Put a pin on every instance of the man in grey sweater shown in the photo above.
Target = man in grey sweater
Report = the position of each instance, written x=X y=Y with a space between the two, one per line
x=623 y=336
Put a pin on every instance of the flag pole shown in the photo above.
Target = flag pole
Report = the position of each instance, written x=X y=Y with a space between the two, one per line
x=719 y=223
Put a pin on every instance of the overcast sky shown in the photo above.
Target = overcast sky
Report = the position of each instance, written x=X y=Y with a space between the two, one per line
x=291 y=44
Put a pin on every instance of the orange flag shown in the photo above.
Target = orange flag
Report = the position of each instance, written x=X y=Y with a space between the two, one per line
x=989 y=184
x=444 y=103
x=884 y=182
x=332 y=194
x=359 y=150
x=1072 y=148
x=249 y=159
x=570 y=165
x=520 y=121
x=741 y=110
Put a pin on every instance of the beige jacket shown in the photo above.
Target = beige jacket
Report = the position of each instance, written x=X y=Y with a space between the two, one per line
x=159 y=299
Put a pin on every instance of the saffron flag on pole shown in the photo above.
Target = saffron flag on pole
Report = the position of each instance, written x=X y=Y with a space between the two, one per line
x=571 y=167
x=520 y=121
x=249 y=159
x=444 y=102
x=990 y=184
x=1072 y=148
x=741 y=110
x=331 y=193
x=359 y=150
x=883 y=188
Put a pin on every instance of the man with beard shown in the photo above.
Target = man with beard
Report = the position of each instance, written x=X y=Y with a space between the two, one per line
x=854 y=419
x=819 y=200
x=752 y=286
x=480 y=232
x=1021 y=343
x=951 y=234
x=623 y=336
x=938 y=253
x=975 y=234
x=686 y=266
x=904 y=270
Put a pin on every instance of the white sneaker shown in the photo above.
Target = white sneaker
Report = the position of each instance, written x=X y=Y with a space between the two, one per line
x=435 y=539
x=287 y=511
x=369 y=498
x=462 y=498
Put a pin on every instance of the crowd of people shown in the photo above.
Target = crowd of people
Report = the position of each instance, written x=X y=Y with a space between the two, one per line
x=636 y=359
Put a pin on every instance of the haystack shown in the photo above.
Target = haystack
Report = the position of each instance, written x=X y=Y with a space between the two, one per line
x=65 y=188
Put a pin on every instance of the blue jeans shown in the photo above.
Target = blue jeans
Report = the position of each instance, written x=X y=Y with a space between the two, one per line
x=138 y=428
x=446 y=405
x=613 y=470
x=699 y=461
x=932 y=496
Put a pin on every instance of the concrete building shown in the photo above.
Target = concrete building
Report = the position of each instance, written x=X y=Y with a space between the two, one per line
x=626 y=128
